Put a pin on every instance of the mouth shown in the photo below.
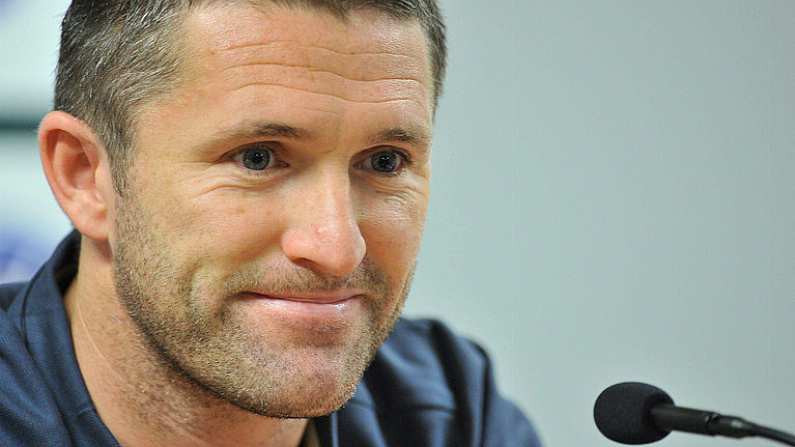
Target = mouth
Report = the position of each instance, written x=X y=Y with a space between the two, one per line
x=319 y=298
x=337 y=309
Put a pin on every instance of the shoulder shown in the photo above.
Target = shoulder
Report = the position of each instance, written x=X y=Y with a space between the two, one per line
x=430 y=386
x=422 y=363
x=425 y=363
x=8 y=292
x=30 y=415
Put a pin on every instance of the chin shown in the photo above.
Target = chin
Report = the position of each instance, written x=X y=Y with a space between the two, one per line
x=323 y=398
x=302 y=383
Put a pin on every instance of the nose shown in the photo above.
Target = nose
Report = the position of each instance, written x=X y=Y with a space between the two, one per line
x=324 y=234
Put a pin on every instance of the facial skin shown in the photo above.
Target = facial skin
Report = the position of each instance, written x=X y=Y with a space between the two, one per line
x=189 y=253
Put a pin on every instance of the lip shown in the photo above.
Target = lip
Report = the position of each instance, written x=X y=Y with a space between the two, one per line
x=307 y=311
x=337 y=297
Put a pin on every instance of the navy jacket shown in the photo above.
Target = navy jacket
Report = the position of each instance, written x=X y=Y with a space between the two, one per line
x=426 y=386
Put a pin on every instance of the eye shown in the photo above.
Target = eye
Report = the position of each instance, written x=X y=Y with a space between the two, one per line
x=256 y=158
x=386 y=161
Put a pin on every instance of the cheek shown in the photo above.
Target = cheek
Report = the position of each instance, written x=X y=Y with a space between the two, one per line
x=392 y=228
x=232 y=225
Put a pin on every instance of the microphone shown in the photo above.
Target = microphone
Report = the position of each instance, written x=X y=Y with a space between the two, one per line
x=637 y=413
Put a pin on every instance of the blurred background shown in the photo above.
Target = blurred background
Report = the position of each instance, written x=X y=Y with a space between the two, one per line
x=612 y=198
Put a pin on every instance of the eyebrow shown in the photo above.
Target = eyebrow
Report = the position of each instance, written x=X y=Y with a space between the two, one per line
x=417 y=136
x=262 y=130
x=410 y=136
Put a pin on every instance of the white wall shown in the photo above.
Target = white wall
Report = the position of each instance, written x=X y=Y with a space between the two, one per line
x=612 y=200
x=29 y=32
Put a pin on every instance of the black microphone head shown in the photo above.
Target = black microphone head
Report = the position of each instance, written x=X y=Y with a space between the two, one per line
x=622 y=413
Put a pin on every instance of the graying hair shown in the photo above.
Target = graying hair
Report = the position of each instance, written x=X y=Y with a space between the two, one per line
x=117 y=55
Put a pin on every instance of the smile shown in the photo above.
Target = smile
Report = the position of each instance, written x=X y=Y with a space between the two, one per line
x=313 y=298
x=337 y=310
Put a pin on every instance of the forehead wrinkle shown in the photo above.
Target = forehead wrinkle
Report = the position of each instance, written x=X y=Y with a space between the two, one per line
x=349 y=66
x=331 y=95
x=301 y=67
x=288 y=43
x=325 y=82
x=321 y=71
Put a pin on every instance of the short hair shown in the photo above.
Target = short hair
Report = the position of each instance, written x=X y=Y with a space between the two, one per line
x=117 y=55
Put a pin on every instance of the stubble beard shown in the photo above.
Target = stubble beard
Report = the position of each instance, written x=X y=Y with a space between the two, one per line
x=218 y=355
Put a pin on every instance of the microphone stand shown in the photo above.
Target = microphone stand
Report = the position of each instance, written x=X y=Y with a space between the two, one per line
x=673 y=418
x=773 y=434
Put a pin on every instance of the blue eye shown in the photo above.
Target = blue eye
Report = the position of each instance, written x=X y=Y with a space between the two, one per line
x=255 y=159
x=387 y=161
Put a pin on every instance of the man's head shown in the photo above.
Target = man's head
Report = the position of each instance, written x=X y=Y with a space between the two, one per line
x=264 y=236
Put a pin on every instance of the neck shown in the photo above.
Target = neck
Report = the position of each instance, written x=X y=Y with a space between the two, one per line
x=141 y=399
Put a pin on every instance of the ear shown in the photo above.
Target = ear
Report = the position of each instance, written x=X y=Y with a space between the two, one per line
x=77 y=169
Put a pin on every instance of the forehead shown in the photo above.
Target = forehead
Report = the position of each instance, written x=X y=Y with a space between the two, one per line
x=345 y=80
x=356 y=59
x=225 y=25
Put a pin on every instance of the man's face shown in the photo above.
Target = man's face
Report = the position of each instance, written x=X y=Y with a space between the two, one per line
x=268 y=239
